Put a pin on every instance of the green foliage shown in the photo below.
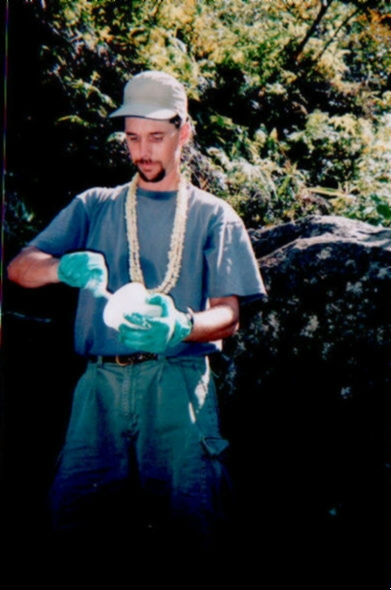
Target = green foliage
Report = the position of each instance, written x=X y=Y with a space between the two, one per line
x=264 y=190
x=290 y=100
x=371 y=208
x=20 y=224
x=368 y=195
x=330 y=146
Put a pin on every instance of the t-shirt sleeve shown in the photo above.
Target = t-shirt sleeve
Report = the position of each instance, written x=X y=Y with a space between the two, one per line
x=66 y=232
x=232 y=268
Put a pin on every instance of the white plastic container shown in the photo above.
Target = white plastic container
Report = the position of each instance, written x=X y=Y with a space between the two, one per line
x=131 y=298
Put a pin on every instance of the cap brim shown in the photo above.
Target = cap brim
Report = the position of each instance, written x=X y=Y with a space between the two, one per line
x=142 y=110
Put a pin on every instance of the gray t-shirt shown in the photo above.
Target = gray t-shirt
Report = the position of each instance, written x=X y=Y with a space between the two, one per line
x=218 y=260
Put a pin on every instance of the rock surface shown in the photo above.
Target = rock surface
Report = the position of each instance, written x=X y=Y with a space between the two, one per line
x=310 y=420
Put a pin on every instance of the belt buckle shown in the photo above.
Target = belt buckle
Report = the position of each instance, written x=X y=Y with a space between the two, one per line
x=129 y=360
x=134 y=359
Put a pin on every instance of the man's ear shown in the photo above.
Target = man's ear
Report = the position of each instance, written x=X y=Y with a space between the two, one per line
x=184 y=133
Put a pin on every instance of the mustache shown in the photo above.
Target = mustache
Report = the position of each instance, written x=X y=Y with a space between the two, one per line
x=143 y=161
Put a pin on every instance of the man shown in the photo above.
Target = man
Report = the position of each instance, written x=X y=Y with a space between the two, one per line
x=143 y=447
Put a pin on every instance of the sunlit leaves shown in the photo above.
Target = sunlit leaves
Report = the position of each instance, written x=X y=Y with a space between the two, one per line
x=289 y=98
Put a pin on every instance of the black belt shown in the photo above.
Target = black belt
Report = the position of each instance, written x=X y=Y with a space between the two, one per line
x=125 y=359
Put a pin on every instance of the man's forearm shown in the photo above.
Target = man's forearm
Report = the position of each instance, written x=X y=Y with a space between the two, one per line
x=220 y=321
x=33 y=268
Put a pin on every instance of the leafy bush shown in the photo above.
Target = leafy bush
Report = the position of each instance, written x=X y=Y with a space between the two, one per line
x=290 y=100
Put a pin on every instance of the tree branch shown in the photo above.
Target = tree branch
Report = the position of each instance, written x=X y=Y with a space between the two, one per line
x=329 y=42
x=325 y=5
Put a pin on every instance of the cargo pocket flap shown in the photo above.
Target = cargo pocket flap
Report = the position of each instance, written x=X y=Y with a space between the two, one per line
x=214 y=446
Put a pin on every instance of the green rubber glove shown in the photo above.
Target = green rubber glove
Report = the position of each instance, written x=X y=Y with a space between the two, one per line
x=156 y=334
x=86 y=270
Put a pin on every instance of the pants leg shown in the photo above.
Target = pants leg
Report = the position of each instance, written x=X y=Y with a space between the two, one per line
x=93 y=465
x=143 y=448
x=181 y=453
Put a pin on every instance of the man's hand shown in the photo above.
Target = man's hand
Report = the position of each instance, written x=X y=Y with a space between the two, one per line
x=86 y=270
x=151 y=334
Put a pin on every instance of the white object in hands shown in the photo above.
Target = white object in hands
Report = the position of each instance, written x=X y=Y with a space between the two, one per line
x=131 y=298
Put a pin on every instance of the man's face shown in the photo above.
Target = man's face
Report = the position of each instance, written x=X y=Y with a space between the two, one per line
x=155 y=147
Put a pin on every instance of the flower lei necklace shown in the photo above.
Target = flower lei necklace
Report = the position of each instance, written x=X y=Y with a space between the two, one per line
x=176 y=243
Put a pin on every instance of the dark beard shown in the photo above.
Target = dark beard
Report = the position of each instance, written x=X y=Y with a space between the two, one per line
x=156 y=178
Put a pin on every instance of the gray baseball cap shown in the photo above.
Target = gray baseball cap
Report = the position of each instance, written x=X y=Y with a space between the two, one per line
x=153 y=95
